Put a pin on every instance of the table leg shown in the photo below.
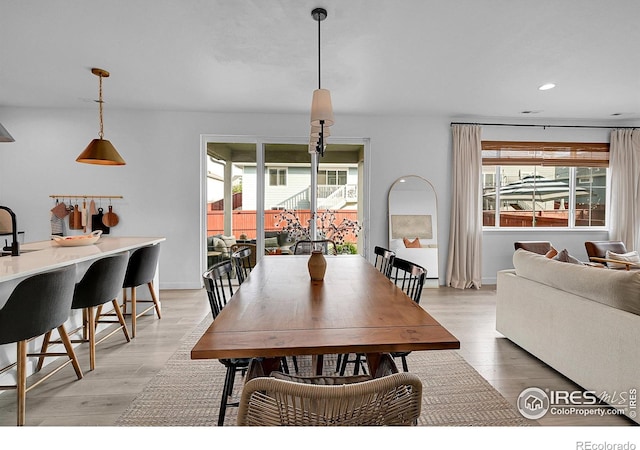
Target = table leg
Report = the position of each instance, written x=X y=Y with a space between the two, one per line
x=373 y=361
x=271 y=365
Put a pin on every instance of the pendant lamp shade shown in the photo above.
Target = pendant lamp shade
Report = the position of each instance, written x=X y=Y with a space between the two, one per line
x=5 y=136
x=100 y=151
x=321 y=108
x=315 y=132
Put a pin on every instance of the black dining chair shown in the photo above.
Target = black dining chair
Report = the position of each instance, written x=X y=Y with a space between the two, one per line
x=305 y=247
x=141 y=270
x=217 y=282
x=100 y=284
x=37 y=305
x=384 y=259
x=241 y=259
x=409 y=277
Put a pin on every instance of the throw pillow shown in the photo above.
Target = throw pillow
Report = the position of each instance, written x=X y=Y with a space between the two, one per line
x=564 y=256
x=271 y=242
x=631 y=257
x=551 y=253
x=411 y=244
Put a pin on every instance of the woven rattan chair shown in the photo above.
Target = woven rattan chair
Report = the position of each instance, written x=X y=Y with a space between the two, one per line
x=392 y=400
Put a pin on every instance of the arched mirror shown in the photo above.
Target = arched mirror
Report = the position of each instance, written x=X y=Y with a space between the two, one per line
x=413 y=223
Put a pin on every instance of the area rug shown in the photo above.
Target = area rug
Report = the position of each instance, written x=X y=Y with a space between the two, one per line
x=187 y=392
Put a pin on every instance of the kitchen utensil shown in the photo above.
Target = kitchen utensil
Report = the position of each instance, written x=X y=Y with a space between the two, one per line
x=110 y=219
x=97 y=224
x=75 y=218
x=60 y=210
x=77 y=241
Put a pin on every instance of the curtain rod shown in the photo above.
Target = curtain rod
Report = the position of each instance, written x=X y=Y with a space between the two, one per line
x=540 y=126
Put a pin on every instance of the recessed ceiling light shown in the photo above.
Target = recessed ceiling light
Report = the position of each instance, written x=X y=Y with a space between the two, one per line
x=616 y=114
x=547 y=86
x=531 y=111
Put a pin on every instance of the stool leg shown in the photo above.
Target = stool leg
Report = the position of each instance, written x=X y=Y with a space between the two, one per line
x=70 y=352
x=154 y=298
x=116 y=308
x=133 y=312
x=22 y=382
x=92 y=338
x=45 y=346
x=124 y=301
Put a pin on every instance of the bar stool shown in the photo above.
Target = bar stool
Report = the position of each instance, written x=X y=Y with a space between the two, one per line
x=37 y=305
x=141 y=270
x=100 y=284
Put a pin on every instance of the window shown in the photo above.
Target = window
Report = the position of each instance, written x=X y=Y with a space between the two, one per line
x=332 y=177
x=278 y=177
x=544 y=184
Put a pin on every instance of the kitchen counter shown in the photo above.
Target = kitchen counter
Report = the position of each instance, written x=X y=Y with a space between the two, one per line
x=37 y=257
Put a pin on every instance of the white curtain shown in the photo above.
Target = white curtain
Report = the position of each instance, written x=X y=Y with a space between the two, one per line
x=624 y=162
x=465 y=236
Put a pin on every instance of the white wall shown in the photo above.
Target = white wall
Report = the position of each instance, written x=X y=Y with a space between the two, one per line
x=161 y=182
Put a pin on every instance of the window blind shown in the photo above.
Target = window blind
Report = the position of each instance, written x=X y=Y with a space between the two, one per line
x=566 y=154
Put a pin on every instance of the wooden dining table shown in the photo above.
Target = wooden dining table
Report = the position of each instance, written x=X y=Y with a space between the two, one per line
x=278 y=311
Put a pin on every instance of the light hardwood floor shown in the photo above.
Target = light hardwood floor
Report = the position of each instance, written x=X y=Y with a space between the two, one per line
x=124 y=369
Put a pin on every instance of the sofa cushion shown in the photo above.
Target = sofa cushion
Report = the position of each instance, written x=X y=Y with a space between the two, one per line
x=551 y=253
x=616 y=288
x=632 y=257
x=271 y=242
x=564 y=256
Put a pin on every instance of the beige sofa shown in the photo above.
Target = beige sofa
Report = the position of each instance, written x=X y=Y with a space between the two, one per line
x=582 y=321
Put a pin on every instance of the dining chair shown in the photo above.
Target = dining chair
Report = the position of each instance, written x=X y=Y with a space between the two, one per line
x=217 y=282
x=100 y=284
x=241 y=259
x=409 y=277
x=384 y=258
x=305 y=246
x=390 y=400
x=37 y=305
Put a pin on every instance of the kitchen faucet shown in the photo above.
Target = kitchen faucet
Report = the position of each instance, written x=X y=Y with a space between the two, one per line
x=15 y=245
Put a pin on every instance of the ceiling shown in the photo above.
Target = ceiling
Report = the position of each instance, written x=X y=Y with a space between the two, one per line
x=463 y=58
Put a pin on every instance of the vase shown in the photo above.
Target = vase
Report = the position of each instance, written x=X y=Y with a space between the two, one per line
x=317 y=265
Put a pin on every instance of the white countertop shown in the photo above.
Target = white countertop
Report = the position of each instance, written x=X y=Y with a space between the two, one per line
x=41 y=256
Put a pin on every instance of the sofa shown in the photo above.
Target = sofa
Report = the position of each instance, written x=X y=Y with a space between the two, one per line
x=581 y=320
x=274 y=240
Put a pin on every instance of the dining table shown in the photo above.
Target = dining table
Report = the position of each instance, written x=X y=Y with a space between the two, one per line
x=279 y=311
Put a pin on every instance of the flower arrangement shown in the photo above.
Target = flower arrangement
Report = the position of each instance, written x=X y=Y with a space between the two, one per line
x=326 y=226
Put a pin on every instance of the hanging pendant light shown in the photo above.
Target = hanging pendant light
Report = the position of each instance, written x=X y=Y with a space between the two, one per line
x=321 y=108
x=5 y=136
x=100 y=151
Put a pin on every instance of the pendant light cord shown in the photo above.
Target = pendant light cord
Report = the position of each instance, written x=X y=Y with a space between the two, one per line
x=101 y=133
x=319 y=72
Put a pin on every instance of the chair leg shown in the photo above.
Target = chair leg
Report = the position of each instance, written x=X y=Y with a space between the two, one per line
x=91 y=325
x=295 y=364
x=45 y=346
x=405 y=367
x=123 y=324
x=285 y=365
x=154 y=298
x=343 y=367
x=124 y=301
x=21 y=387
x=133 y=312
x=226 y=392
x=70 y=352
x=338 y=362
